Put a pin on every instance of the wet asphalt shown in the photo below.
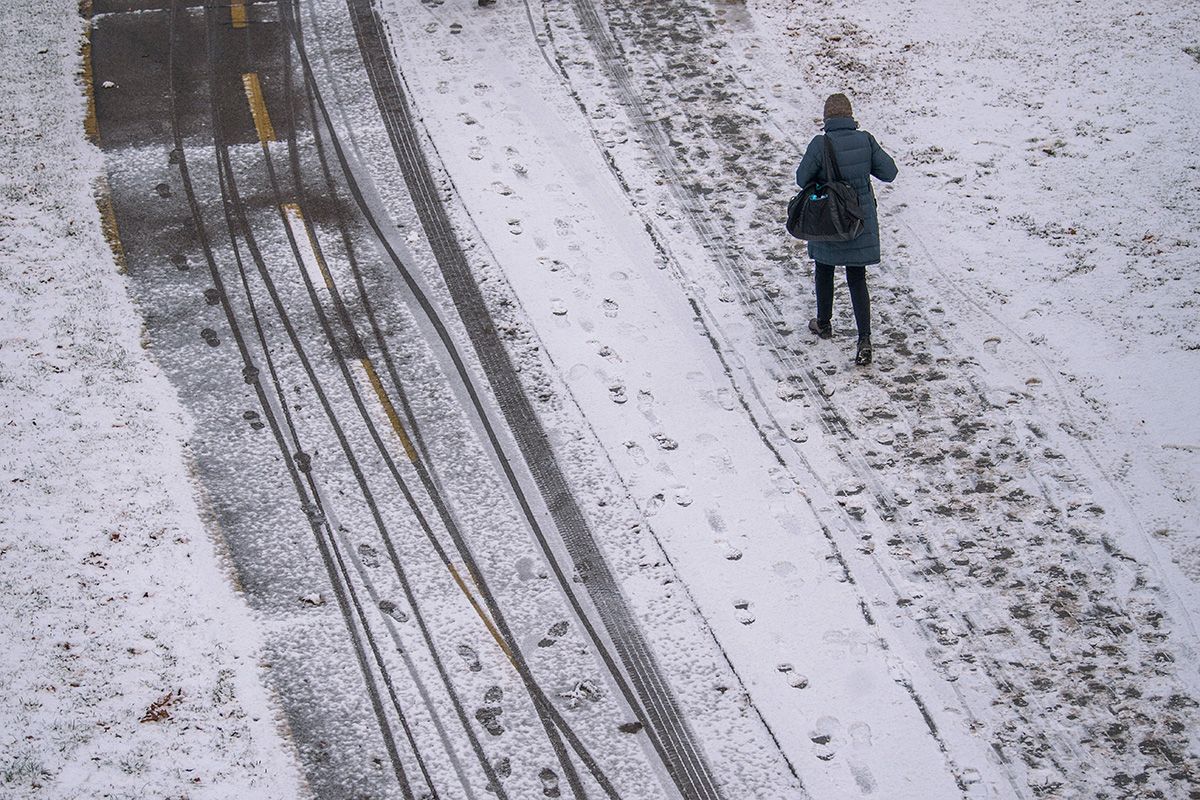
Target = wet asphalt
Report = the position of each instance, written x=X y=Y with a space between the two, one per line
x=265 y=355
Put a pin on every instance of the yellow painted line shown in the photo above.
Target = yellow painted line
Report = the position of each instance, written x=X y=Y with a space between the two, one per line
x=311 y=256
x=308 y=249
x=389 y=409
x=487 y=621
x=108 y=223
x=258 y=108
x=237 y=12
x=91 y=126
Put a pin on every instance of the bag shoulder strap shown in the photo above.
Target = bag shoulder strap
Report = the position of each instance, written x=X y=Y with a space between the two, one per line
x=831 y=161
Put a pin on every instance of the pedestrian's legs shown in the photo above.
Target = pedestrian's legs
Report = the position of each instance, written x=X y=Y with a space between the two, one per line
x=856 y=279
x=824 y=284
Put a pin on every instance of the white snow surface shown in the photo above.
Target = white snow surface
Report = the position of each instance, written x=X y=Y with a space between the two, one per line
x=1040 y=259
x=1039 y=281
x=129 y=665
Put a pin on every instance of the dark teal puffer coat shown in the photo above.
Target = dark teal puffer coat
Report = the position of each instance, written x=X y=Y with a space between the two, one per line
x=859 y=157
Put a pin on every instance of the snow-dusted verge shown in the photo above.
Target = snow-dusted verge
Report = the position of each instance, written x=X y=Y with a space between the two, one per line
x=1050 y=194
x=129 y=665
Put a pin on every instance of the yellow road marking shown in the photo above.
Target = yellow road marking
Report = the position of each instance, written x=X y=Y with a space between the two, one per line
x=108 y=222
x=487 y=621
x=91 y=126
x=237 y=12
x=292 y=212
x=258 y=108
x=389 y=409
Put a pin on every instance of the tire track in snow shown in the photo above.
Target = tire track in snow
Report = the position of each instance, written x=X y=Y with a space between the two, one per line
x=613 y=62
x=548 y=714
x=652 y=701
x=811 y=385
x=326 y=541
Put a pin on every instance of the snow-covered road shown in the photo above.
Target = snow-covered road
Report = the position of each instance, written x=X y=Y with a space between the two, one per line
x=530 y=472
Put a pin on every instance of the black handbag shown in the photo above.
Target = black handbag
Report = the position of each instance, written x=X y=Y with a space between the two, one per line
x=826 y=211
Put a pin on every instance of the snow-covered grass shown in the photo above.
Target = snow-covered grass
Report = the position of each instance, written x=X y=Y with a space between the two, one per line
x=128 y=663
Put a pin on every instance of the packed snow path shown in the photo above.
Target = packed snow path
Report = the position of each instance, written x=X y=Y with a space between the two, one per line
x=907 y=583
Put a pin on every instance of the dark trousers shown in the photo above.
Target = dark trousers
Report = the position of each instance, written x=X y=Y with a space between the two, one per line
x=860 y=298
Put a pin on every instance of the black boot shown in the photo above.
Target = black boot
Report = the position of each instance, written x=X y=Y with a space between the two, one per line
x=823 y=330
x=863 y=356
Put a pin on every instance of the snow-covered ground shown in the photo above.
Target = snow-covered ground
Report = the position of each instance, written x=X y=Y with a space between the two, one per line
x=1008 y=493
x=129 y=666
x=969 y=571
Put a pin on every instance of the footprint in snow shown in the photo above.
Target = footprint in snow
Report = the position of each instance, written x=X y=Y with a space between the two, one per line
x=730 y=552
x=616 y=393
x=393 y=610
x=557 y=307
x=475 y=154
x=860 y=735
x=654 y=504
x=782 y=482
x=469 y=655
x=683 y=496
x=863 y=777
x=369 y=555
x=502 y=189
x=798 y=433
x=991 y=344
x=556 y=632
x=722 y=461
x=609 y=354
x=210 y=337
x=514 y=227
x=528 y=569
x=665 y=442
x=489 y=718
x=549 y=779
x=784 y=568
x=503 y=768
x=552 y=264
x=255 y=422
x=825 y=736
x=742 y=611
x=583 y=691
x=794 y=679
x=637 y=453
x=609 y=307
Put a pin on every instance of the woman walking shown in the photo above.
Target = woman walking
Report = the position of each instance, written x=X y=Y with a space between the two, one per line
x=859 y=157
